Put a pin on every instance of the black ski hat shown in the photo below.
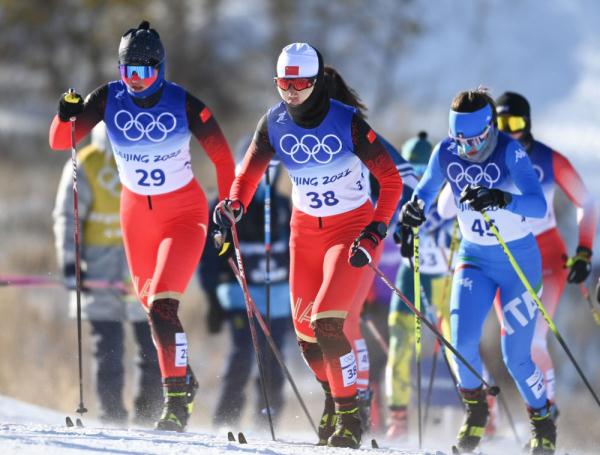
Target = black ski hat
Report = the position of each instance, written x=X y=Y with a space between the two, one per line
x=141 y=46
x=511 y=103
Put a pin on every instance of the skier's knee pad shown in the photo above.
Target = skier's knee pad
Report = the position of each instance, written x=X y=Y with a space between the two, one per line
x=330 y=337
x=310 y=351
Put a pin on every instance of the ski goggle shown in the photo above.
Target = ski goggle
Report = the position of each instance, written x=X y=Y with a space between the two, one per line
x=142 y=71
x=474 y=141
x=298 y=83
x=511 y=123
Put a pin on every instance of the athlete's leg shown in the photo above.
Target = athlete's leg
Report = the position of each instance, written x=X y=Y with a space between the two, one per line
x=401 y=328
x=519 y=315
x=336 y=299
x=305 y=280
x=554 y=275
x=352 y=326
x=174 y=226
x=472 y=295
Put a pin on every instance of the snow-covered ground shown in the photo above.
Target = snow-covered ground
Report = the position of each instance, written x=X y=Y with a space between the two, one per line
x=29 y=429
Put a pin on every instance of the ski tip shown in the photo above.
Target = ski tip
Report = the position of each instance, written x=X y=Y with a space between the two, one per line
x=242 y=438
x=69 y=422
x=230 y=436
x=374 y=444
x=79 y=423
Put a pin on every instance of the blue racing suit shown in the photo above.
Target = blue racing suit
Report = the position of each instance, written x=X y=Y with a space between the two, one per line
x=482 y=268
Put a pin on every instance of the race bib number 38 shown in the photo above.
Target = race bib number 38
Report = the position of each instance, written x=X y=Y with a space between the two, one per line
x=348 y=365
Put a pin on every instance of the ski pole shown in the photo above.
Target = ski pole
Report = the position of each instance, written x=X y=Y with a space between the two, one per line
x=276 y=352
x=71 y=98
x=251 y=324
x=588 y=299
x=537 y=301
x=267 y=220
x=431 y=312
x=377 y=335
x=492 y=390
x=417 y=292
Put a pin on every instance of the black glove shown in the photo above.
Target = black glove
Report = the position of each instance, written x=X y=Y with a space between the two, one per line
x=228 y=212
x=215 y=315
x=598 y=291
x=405 y=239
x=70 y=280
x=70 y=105
x=411 y=214
x=482 y=198
x=362 y=249
x=580 y=265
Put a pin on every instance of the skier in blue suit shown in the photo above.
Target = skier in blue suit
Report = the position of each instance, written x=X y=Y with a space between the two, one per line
x=488 y=171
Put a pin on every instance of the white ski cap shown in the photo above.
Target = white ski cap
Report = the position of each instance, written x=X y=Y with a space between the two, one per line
x=298 y=60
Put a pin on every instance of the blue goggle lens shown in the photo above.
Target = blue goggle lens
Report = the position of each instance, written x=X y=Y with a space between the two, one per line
x=142 y=71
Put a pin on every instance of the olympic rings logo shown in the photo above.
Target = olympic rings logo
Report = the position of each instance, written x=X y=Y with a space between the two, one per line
x=310 y=146
x=473 y=174
x=144 y=124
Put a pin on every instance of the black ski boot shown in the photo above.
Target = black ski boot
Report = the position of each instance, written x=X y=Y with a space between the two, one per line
x=179 y=402
x=328 y=418
x=473 y=427
x=543 y=431
x=348 y=430
x=364 y=398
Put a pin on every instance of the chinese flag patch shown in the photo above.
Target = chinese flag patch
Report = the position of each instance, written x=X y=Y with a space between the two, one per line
x=292 y=70
x=371 y=136
x=205 y=114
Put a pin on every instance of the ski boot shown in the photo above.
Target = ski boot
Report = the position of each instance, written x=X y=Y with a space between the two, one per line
x=397 y=423
x=348 y=429
x=328 y=418
x=179 y=402
x=364 y=397
x=473 y=427
x=543 y=431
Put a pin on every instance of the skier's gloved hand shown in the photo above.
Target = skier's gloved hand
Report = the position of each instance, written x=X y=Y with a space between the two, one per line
x=228 y=212
x=412 y=214
x=70 y=105
x=216 y=315
x=405 y=239
x=70 y=279
x=580 y=265
x=598 y=291
x=363 y=247
x=482 y=198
